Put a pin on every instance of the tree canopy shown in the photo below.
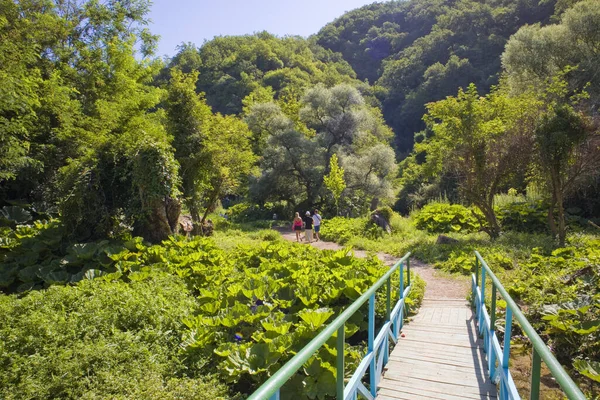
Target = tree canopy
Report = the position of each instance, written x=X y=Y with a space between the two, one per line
x=423 y=50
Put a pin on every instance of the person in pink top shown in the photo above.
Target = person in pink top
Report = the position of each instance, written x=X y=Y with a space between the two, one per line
x=297 y=226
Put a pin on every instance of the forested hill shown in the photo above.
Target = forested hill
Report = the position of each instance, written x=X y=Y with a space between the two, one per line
x=424 y=50
x=231 y=67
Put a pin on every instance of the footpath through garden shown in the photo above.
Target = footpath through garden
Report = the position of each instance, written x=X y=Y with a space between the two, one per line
x=439 y=354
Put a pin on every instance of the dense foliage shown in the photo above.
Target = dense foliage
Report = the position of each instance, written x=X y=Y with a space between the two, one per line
x=232 y=67
x=444 y=218
x=539 y=125
x=103 y=147
x=423 y=50
x=300 y=145
x=246 y=311
x=101 y=339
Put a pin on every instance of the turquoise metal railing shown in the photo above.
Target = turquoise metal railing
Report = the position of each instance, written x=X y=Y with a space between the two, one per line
x=377 y=347
x=501 y=355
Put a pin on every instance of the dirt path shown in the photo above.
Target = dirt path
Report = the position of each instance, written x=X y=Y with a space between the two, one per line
x=438 y=286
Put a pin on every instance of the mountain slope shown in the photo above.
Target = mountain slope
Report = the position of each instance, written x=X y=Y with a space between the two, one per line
x=423 y=50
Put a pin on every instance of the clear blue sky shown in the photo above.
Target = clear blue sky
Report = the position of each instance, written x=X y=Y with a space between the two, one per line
x=178 y=21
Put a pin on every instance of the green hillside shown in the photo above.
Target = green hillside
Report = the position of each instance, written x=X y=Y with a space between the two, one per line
x=423 y=50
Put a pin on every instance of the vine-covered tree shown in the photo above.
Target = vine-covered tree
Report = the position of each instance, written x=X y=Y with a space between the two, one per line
x=80 y=114
x=188 y=116
x=230 y=158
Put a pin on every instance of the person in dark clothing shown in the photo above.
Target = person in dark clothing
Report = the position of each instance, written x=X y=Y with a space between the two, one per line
x=308 y=226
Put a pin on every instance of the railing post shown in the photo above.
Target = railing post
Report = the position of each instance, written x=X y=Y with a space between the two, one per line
x=401 y=280
x=476 y=270
x=482 y=305
x=490 y=349
x=340 y=362
x=401 y=318
x=536 y=364
x=507 y=334
x=371 y=347
x=388 y=314
x=388 y=299
x=408 y=271
x=275 y=395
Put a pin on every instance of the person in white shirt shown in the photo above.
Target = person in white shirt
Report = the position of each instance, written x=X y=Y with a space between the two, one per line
x=316 y=224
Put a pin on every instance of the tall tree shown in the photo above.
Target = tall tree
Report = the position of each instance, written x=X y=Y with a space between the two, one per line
x=79 y=112
x=481 y=141
x=299 y=149
x=188 y=116
x=561 y=145
x=230 y=158
x=334 y=181
x=536 y=53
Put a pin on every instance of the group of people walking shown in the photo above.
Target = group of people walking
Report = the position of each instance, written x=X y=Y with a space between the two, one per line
x=309 y=224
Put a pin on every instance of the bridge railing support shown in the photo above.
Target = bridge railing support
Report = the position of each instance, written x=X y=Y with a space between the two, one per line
x=377 y=346
x=486 y=323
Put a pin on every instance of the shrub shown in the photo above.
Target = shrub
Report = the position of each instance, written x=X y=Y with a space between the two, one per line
x=341 y=230
x=246 y=212
x=444 y=218
x=268 y=235
x=99 y=339
x=528 y=217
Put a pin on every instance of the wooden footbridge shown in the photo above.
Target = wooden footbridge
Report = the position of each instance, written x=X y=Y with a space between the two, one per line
x=449 y=350
x=439 y=356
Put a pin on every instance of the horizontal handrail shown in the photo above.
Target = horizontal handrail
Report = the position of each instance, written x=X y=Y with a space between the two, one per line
x=272 y=385
x=541 y=351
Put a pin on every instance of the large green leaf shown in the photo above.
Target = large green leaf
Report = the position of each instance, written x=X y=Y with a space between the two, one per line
x=320 y=382
x=261 y=356
x=55 y=277
x=29 y=274
x=308 y=295
x=590 y=369
x=586 y=327
x=86 y=251
x=315 y=318
x=15 y=214
x=8 y=273
x=87 y=274
x=279 y=328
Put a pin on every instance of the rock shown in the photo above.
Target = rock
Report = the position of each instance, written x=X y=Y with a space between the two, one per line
x=443 y=239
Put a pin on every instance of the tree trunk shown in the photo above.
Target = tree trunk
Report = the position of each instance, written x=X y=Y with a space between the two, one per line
x=173 y=210
x=374 y=203
x=162 y=220
x=558 y=199
x=551 y=221
x=195 y=214
x=211 y=202
x=492 y=229
x=562 y=227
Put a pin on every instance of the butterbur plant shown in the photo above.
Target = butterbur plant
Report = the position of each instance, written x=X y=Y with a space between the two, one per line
x=574 y=329
x=444 y=218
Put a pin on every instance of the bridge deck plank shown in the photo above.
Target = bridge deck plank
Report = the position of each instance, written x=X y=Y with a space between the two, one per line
x=440 y=357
